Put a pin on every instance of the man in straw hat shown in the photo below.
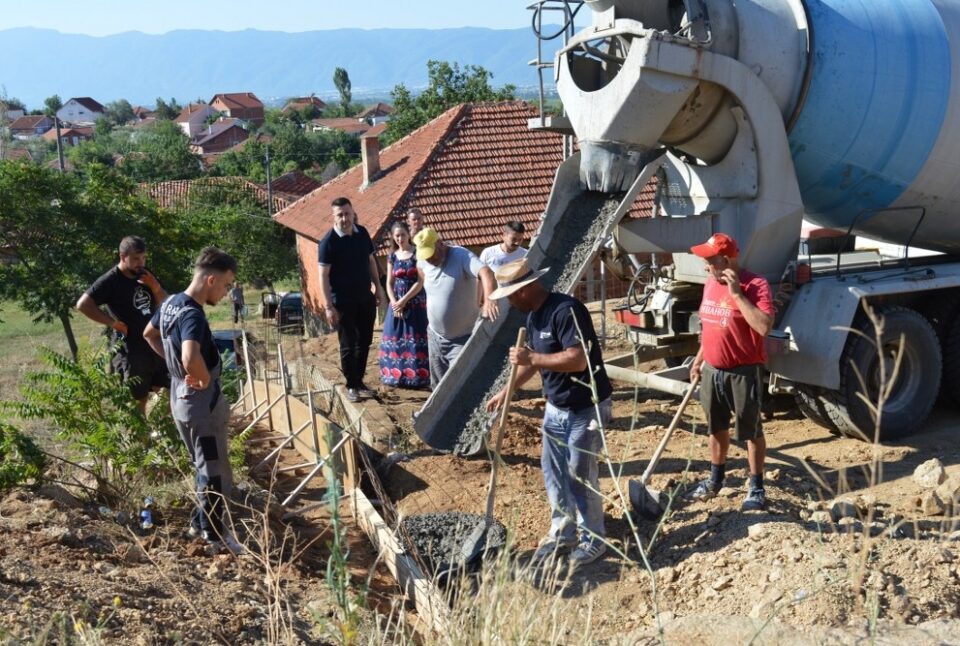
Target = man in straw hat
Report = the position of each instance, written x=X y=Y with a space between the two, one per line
x=449 y=274
x=565 y=350
x=736 y=314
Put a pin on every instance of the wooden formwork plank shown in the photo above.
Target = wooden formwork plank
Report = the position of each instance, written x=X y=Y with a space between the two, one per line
x=300 y=415
x=429 y=601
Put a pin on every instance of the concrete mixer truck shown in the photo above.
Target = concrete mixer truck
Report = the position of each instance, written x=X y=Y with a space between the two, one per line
x=754 y=116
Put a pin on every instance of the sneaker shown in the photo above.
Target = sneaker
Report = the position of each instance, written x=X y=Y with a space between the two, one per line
x=224 y=544
x=352 y=395
x=193 y=532
x=705 y=490
x=588 y=552
x=365 y=392
x=552 y=547
x=756 y=500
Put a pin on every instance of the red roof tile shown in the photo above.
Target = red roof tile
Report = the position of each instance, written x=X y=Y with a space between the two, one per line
x=29 y=122
x=378 y=110
x=469 y=170
x=189 y=111
x=238 y=99
x=301 y=102
x=90 y=104
x=295 y=183
x=176 y=194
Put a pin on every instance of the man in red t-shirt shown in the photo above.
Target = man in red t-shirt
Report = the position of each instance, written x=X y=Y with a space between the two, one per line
x=736 y=314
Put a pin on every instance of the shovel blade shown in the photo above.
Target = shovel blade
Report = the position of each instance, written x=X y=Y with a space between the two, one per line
x=646 y=502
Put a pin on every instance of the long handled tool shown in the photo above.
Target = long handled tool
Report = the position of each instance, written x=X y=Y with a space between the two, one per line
x=645 y=500
x=476 y=541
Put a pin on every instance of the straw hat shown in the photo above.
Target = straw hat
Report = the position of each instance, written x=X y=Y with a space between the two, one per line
x=514 y=275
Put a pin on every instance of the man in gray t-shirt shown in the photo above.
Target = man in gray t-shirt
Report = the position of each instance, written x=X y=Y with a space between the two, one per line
x=449 y=277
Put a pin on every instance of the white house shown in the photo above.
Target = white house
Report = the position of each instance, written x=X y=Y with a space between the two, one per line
x=193 y=118
x=80 y=110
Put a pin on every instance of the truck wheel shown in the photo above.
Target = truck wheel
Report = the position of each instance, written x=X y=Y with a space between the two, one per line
x=950 y=388
x=810 y=403
x=916 y=385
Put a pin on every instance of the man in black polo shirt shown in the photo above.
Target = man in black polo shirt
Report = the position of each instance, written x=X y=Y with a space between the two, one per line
x=131 y=294
x=348 y=269
x=558 y=329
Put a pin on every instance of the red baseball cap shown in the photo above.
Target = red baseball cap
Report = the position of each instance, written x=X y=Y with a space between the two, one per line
x=719 y=244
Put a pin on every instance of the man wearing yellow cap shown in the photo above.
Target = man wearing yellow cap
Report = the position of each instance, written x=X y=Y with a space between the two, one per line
x=736 y=314
x=449 y=274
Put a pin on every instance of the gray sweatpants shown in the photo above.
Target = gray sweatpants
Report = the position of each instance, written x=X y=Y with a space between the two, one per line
x=443 y=352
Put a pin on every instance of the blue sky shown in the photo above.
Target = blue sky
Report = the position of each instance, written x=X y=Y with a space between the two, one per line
x=103 y=17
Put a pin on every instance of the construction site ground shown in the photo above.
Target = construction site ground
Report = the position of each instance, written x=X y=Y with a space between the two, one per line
x=791 y=565
x=787 y=575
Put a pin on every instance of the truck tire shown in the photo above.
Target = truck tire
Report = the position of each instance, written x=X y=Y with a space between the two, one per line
x=950 y=388
x=810 y=402
x=917 y=382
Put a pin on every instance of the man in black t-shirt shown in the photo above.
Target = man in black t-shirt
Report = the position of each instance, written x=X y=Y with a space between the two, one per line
x=130 y=293
x=179 y=333
x=559 y=329
x=348 y=270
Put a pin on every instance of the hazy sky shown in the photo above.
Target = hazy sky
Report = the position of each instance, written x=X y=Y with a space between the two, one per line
x=102 y=17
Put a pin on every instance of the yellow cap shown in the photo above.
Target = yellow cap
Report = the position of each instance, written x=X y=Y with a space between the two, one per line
x=426 y=242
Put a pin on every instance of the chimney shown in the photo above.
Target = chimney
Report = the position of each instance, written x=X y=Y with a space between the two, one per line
x=370 y=156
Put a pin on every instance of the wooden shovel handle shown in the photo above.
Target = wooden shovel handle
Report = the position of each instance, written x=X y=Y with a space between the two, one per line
x=502 y=423
x=669 y=432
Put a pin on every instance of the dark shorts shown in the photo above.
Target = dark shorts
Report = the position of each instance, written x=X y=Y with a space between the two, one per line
x=738 y=392
x=149 y=369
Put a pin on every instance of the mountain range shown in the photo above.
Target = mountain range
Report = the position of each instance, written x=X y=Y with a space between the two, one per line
x=191 y=64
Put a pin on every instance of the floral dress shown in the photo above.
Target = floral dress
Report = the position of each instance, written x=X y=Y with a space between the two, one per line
x=403 y=347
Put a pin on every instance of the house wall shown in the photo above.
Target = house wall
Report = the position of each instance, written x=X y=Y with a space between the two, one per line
x=229 y=138
x=76 y=113
x=197 y=122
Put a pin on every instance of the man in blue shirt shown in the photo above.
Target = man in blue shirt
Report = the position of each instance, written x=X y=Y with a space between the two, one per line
x=565 y=350
x=348 y=271
x=179 y=333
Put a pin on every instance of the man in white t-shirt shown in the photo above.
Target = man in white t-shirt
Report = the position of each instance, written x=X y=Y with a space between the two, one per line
x=508 y=250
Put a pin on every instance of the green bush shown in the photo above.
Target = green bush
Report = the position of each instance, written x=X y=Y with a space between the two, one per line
x=21 y=460
x=94 y=414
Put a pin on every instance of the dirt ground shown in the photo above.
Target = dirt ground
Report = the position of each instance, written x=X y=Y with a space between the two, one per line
x=789 y=573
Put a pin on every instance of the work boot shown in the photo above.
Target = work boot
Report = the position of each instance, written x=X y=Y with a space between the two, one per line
x=756 y=500
x=705 y=490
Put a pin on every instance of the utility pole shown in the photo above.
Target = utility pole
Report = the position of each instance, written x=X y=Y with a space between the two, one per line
x=269 y=184
x=56 y=124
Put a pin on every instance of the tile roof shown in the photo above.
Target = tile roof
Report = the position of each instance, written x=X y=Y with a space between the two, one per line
x=90 y=104
x=191 y=111
x=176 y=194
x=215 y=129
x=260 y=138
x=17 y=153
x=300 y=102
x=295 y=183
x=76 y=131
x=29 y=122
x=378 y=110
x=349 y=125
x=238 y=99
x=470 y=170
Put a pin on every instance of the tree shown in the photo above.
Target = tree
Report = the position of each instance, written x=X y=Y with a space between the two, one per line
x=234 y=219
x=448 y=86
x=61 y=232
x=51 y=104
x=119 y=112
x=167 y=111
x=342 y=80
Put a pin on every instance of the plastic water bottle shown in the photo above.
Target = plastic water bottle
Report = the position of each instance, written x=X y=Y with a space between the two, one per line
x=146 y=514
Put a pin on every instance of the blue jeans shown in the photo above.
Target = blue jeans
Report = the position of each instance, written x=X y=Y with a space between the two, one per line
x=571 y=442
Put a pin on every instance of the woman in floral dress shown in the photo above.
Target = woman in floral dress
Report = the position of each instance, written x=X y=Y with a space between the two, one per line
x=403 y=348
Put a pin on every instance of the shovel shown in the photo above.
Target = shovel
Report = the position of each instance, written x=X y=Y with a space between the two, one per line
x=476 y=541
x=645 y=500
